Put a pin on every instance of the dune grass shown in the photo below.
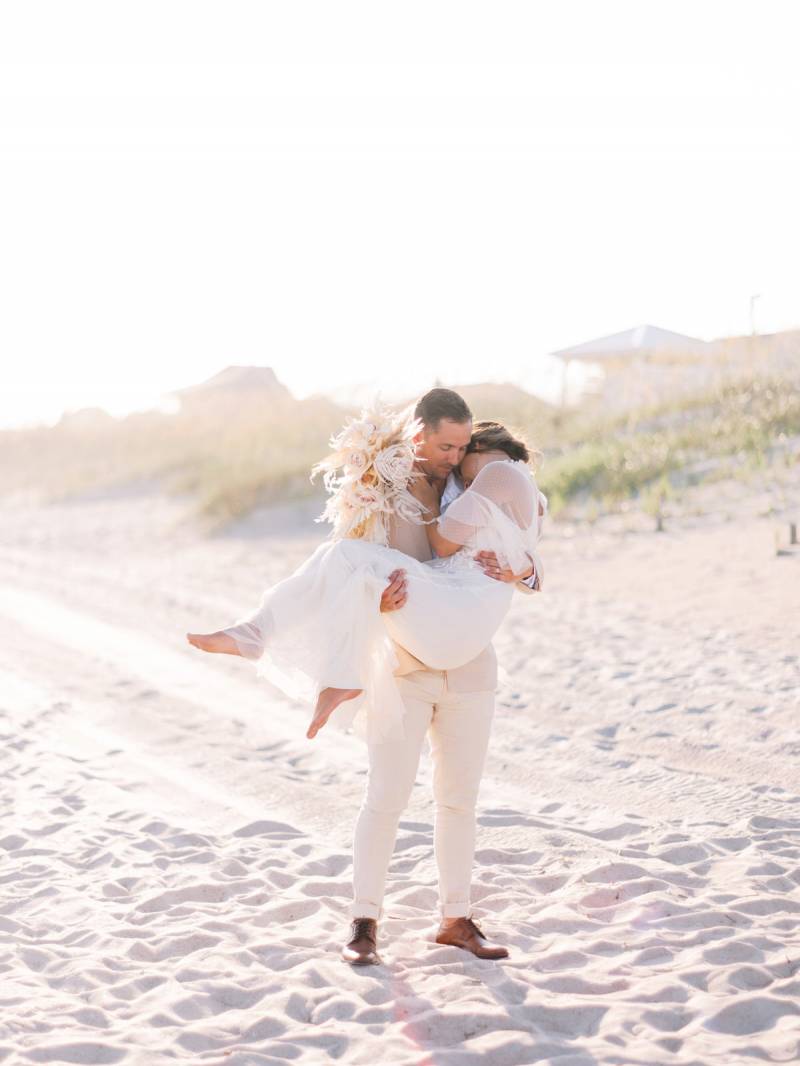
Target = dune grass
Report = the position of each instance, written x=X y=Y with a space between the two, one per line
x=650 y=452
x=226 y=456
x=229 y=455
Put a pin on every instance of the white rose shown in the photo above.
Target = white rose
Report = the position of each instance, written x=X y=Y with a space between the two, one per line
x=358 y=495
x=356 y=461
x=394 y=464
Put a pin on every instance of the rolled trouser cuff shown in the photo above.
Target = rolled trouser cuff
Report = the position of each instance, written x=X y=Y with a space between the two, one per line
x=455 y=910
x=364 y=910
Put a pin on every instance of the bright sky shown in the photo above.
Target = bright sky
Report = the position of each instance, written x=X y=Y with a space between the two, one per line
x=375 y=194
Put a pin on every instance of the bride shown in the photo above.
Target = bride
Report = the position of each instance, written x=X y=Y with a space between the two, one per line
x=319 y=634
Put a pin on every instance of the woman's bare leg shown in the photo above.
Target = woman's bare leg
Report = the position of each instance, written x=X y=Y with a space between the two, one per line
x=329 y=699
x=219 y=641
x=327 y=702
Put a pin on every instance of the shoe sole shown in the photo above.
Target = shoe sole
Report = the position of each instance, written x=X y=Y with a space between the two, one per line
x=490 y=958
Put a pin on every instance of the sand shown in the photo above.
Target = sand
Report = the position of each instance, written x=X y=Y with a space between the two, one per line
x=176 y=854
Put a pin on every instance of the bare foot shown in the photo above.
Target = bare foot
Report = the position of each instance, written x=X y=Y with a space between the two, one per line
x=329 y=699
x=219 y=641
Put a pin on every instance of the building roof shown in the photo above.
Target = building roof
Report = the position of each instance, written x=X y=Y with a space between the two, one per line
x=631 y=342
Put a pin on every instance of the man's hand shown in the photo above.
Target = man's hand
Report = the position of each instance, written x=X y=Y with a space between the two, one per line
x=491 y=567
x=395 y=594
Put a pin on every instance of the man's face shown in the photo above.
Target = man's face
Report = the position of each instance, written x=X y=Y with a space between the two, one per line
x=440 y=449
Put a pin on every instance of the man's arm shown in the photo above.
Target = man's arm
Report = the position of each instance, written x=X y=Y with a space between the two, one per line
x=533 y=583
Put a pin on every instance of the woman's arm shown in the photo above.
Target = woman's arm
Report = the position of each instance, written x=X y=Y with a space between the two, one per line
x=441 y=545
x=428 y=495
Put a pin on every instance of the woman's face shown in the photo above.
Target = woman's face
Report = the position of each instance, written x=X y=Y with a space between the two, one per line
x=476 y=461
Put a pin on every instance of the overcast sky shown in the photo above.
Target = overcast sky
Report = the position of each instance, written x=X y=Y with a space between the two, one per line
x=375 y=194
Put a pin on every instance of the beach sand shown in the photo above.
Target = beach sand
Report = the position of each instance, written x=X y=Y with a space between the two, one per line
x=176 y=854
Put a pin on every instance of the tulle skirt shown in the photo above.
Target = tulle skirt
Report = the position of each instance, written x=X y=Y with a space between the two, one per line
x=322 y=627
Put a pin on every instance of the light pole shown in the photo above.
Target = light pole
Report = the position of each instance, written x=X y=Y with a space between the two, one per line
x=753 y=299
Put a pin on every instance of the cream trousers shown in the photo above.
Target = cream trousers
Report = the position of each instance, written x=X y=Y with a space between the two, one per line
x=459 y=725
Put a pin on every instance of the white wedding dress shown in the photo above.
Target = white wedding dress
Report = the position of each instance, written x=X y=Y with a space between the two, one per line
x=322 y=626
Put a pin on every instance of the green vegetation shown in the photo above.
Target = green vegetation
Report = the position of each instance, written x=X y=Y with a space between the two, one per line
x=231 y=453
x=648 y=453
x=228 y=454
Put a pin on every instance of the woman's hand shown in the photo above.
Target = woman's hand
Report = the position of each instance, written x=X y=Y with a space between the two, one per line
x=426 y=492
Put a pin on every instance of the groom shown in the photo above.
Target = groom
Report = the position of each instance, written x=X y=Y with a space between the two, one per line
x=453 y=707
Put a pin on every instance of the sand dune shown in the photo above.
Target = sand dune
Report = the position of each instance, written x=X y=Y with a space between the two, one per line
x=176 y=855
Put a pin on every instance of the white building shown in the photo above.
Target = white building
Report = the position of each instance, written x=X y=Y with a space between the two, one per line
x=635 y=367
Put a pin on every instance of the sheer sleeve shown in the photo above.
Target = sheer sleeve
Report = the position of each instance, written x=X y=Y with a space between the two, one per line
x=498 y=512
x=461 y=519
x=511 y=486
x=505 y=484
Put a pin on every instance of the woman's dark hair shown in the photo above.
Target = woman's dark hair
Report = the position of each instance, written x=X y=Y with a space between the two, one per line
x=493 y=436
x=441 y=403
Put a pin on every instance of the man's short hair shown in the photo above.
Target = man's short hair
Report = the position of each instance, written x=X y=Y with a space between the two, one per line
x=441 y=403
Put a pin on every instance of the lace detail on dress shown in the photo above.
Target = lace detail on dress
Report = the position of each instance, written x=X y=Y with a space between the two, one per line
x=463 y=559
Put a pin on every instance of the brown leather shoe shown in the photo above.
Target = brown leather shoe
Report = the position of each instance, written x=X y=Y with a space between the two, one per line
x=465 y=933
x=362 y=947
